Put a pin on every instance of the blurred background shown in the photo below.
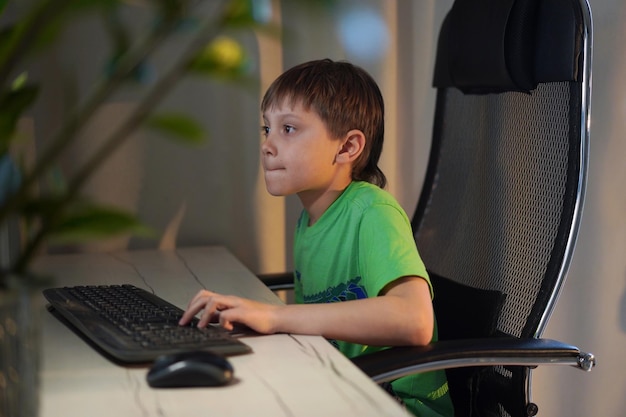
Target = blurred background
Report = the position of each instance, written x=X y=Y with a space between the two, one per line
x=214 y=194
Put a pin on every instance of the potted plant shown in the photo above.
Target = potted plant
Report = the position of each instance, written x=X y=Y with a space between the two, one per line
x=45 y=213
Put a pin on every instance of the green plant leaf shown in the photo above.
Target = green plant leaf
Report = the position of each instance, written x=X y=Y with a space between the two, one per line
x=239 y=13
x=35 y=208
x=81 y=220
x=179 y=127
x=13 y=103
x=5 y=40
x=92 y=222
x=20 y=81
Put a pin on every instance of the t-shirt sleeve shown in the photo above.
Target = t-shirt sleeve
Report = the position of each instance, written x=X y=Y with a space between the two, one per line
x=387 y=248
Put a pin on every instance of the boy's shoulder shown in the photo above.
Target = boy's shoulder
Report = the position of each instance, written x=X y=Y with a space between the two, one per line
x=366 y=194
x=373 y=202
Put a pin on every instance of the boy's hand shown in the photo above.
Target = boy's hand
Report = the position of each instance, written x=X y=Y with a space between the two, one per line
x=228 y=309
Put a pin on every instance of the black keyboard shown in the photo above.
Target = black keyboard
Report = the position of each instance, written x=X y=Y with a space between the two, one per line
x=132 y=325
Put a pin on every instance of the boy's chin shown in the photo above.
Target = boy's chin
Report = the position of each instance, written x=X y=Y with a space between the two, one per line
x=275 y=191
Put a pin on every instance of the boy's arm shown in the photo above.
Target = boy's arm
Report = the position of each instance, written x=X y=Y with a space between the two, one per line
x=401 y=315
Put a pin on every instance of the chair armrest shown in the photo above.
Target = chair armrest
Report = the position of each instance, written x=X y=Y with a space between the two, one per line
x=277 y=281
x=396 y=362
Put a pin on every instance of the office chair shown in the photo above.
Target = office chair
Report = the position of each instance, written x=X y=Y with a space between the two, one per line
x=501 y=204
x=498 y=216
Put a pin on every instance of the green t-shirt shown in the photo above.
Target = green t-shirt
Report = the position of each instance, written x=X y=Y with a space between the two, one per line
x=359 y=245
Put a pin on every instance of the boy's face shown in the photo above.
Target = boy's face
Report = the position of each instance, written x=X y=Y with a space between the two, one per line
x=298 y=153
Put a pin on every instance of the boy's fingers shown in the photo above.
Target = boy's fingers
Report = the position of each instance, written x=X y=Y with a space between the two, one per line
x=211 y=304
x=196 y=304
x=226 y=324
x=209 y=315
x=187 y=316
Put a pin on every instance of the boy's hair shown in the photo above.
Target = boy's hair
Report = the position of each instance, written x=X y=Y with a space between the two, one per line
x=345 y=97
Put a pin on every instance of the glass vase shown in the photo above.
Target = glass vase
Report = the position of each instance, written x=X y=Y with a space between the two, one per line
x=20 y=351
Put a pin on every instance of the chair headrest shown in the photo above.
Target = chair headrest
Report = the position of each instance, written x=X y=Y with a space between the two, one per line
x=490 y=46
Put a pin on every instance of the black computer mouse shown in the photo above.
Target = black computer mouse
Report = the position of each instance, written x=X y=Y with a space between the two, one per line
x=190 y=369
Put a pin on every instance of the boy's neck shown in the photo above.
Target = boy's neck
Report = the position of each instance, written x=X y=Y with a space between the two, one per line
x=316 y=203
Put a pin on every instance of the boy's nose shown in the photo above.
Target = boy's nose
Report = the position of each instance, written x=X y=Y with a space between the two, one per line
x=267 y=146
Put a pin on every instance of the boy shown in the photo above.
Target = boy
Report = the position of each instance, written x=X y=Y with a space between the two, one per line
x=359 y=280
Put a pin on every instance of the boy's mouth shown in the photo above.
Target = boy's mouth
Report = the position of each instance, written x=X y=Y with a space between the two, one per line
x=272 y=168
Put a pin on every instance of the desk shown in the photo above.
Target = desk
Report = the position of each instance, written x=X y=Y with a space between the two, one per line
x=287 y=375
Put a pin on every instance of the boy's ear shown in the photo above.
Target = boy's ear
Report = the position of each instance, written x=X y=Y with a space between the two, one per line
x=352 y=146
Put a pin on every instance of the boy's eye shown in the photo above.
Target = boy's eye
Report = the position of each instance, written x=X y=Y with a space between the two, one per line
x=289 y=129
x=265 y=130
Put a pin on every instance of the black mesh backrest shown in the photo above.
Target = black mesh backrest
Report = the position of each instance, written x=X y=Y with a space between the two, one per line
x=498 y=210
x=502 y=203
